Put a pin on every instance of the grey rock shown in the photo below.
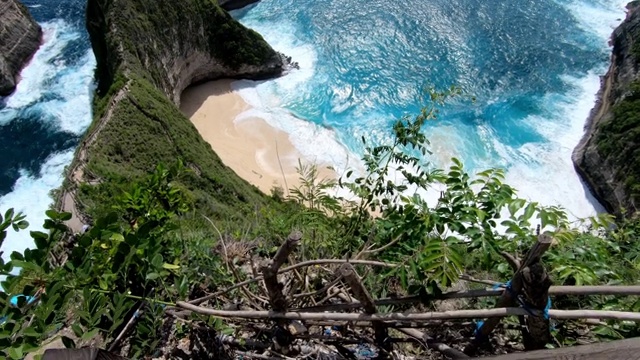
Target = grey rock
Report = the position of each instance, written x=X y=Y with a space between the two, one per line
x=601 y=173
x=20 y=37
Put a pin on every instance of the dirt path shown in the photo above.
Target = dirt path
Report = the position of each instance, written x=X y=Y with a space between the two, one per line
x=67 y=201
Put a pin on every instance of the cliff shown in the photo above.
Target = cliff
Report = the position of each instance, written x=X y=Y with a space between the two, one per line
x=608 y=156
x=20 y=37
x=148 y=52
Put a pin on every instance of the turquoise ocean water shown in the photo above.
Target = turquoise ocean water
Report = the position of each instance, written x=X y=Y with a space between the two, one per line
x=533 y=67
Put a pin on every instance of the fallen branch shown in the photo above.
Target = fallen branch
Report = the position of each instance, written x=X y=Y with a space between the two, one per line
x=287 y=269
x=427 y=341
x=348 y=273
x=270 y=272
x=412 y=317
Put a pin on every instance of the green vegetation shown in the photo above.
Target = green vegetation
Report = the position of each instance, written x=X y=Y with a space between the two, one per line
x=146 y=129
x=146 y=37
x=139 y=46
x=619 y=140
x=146 y=250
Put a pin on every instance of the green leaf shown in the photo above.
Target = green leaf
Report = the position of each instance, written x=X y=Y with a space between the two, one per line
x=16 y=352
x=52 y=214
x=8 y=214
x=77 y=330
x=116 y=237
x=170 y=266
x=23 y=224
x=65 y=216
x=528 y=211
x=31 y=332
x=90 y=335
x=153 y=276
x=156 y=261
x=26 y=265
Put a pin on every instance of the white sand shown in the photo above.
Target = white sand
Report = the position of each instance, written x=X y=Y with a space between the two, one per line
x=256 y=151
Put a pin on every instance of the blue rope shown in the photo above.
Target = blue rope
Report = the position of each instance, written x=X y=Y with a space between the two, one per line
x=477 y=332
x=15 y=298
x=545 y=312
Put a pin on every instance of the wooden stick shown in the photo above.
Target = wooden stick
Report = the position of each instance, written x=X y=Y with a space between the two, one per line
x=348 y=273
x=287 y=269
x=412 y=317
x=595 y=290
x=127 y=327
x=270 y=272
x=479 y=281
x=274 y=288
x=511 y=260
x=366 y=252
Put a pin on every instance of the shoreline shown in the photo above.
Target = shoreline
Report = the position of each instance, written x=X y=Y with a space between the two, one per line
x=256 y=151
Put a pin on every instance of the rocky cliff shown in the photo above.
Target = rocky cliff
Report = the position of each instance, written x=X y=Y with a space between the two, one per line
x=608 y=156
x=148 y=52
x=20 y=37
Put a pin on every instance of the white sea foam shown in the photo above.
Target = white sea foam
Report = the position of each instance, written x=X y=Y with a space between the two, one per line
x=599 y=17
x=45 y=65
x=70 y=109
x=61 y=95
x=545 y=173
x=30 y=195
x=268 y=100
x=540 y=171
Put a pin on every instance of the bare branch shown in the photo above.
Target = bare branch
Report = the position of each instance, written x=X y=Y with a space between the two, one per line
x=512 y=260
x=427 y=341
x=348 y=273
x=287 y=269
x=270 y=272
x=365 y=252
x=412 y=317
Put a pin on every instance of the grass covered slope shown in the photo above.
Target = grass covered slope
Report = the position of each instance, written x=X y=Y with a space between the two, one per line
x=147 y=52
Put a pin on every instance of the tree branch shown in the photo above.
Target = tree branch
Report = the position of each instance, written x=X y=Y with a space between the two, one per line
x=412 y=317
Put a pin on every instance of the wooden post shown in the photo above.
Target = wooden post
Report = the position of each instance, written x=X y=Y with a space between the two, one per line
x=509 y=297
x=535 y=288
x=270 y=272
x=282 y=337
x=348 y=273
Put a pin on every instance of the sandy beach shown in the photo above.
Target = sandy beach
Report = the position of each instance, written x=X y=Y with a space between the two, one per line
x=256 y=151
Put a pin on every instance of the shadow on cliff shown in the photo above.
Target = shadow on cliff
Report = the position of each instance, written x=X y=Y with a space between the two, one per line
x=195 y=95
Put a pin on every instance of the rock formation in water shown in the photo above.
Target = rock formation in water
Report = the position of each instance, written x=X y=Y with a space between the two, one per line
x=608 y=156
x=147 y=53
x=20 y=37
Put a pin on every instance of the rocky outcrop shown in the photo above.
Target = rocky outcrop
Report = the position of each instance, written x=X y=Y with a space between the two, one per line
x=235 y=4
x=147 y=52
x=20 y=37
x=608 y=156
x=175 y=44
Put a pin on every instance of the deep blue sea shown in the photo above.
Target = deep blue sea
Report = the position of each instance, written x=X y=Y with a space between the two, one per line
x=533 y=67
x=42 y=122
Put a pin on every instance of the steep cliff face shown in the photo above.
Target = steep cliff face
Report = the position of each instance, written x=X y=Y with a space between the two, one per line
x=20 y=37
x=175 y=44
x=148 y=52
x=608 y=156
